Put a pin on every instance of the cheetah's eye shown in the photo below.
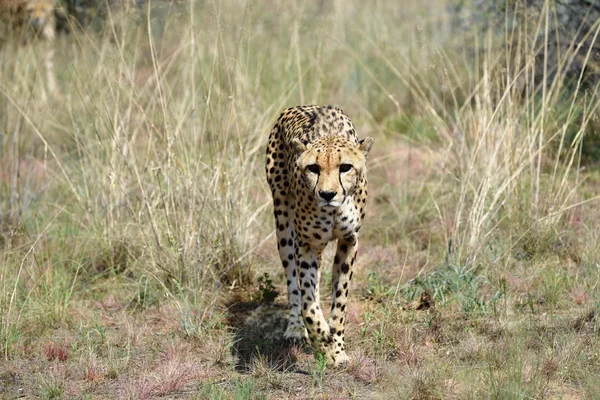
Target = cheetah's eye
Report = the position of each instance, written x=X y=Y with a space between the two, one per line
x=345 y=167
x=314 y=168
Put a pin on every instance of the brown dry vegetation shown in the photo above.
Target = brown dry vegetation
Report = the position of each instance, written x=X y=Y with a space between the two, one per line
x=135 y=220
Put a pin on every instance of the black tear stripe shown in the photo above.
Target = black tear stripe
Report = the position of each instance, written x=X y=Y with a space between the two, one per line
x=341 y=184
x=315 y=190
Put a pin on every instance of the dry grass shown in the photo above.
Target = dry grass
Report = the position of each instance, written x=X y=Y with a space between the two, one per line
x=135 y=217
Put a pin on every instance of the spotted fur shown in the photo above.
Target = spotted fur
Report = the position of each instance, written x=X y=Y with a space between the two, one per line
x=316 y=169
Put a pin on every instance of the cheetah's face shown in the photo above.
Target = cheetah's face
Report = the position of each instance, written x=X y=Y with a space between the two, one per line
x=38 y=13
x=332 y=167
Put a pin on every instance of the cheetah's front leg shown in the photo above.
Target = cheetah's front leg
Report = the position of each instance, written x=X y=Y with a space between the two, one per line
x=319 y=333
x=285 y=245
x=340 y=280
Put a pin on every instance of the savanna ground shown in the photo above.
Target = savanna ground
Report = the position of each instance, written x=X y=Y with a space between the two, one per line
x=137 y=247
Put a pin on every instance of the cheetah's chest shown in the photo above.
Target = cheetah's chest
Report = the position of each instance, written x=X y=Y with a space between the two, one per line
x=347 y=219
x=329 y=223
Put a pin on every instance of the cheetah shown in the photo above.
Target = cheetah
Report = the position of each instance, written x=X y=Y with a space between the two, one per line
x=25 y=21
x=316 y=170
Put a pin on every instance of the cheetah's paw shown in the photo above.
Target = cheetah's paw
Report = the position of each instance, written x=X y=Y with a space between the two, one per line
x=339 y=359
x=296 y=333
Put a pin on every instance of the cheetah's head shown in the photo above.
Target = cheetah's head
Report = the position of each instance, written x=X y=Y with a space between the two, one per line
x=39 y=13
x=332 y=167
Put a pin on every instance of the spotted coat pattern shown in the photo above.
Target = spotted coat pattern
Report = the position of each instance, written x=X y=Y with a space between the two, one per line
x=316 y=169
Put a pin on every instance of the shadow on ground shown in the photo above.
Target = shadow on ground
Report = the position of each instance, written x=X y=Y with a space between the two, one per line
x=259 y=339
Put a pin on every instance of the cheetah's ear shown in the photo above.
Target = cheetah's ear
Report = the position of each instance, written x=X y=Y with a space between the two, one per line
x=365 y=145
x=297 y=146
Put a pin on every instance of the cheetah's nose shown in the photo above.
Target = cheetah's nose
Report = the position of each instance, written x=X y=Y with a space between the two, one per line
x=327 y=196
